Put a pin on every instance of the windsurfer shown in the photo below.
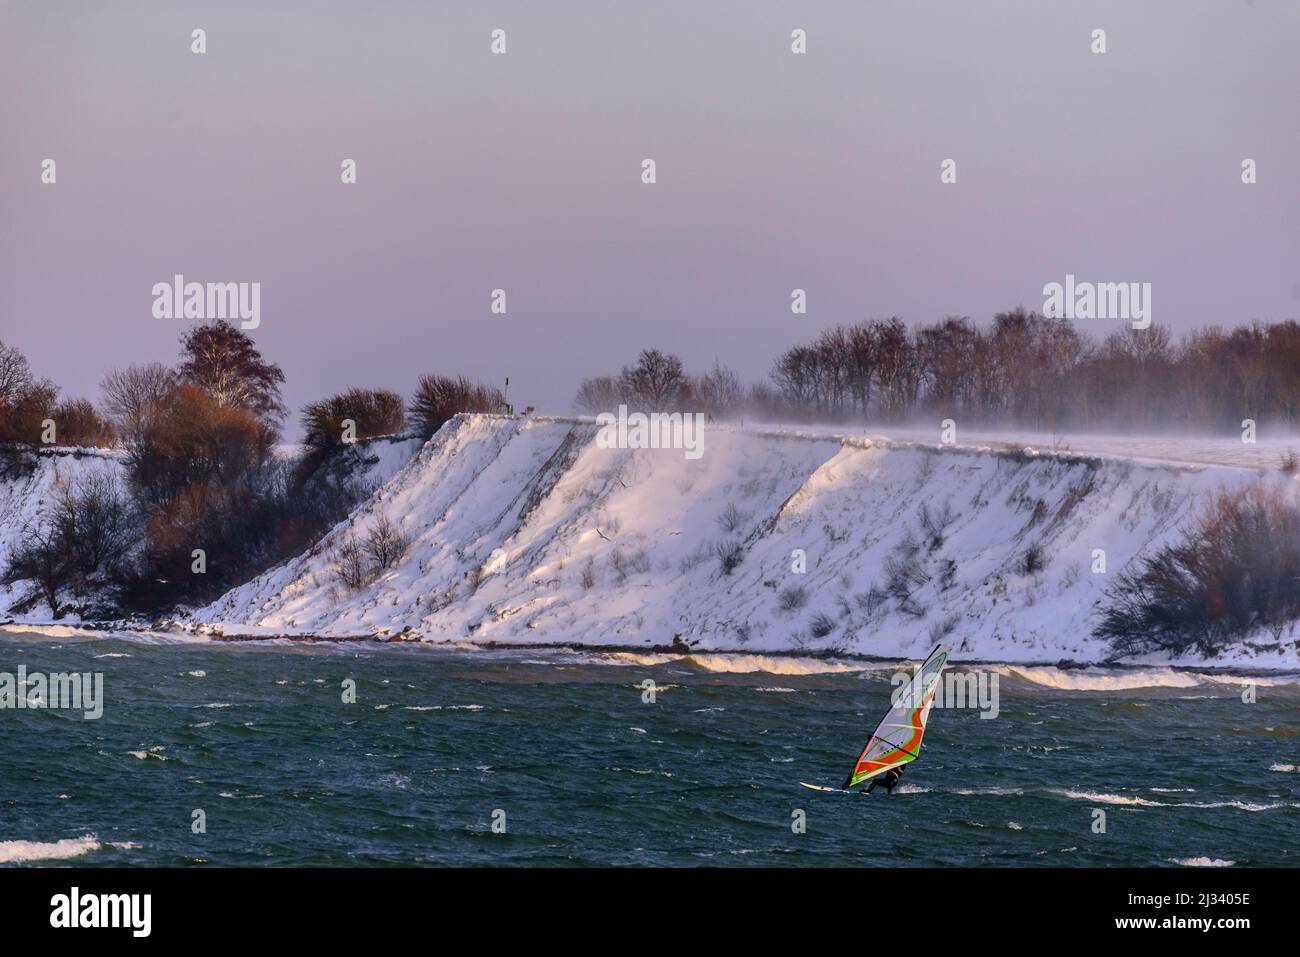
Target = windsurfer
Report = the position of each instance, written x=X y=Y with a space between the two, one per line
x=888 y=780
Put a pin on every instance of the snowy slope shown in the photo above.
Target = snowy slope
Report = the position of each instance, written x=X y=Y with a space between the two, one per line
x=523 y=530
x=25 y=499
x=1266 y=452
x=369 y=463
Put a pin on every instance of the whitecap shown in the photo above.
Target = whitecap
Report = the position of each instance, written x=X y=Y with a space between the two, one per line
x=1099 y=797
x=1099 y=679
x=151 y=753
x=1201 y=862
x=20 y=851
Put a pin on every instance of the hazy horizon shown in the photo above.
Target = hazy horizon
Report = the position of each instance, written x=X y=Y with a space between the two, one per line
x=522 y=171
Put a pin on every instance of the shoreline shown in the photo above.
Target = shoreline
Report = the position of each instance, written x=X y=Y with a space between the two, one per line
x=680 y=649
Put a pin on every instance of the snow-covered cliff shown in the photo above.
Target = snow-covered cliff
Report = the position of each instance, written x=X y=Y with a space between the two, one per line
x=525 y=530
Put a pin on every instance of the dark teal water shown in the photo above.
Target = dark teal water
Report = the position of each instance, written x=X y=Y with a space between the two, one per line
x=588 y=774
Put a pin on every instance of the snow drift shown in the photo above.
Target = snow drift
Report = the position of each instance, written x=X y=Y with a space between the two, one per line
x=523 y=530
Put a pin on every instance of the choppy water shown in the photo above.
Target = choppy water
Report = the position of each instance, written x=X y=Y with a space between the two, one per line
x=586 y=773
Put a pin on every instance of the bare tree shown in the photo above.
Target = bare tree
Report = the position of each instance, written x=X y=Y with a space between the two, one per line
x=597 y=395
x=350 y=563
x=655 y=383
x=15 y=375
x=719 y=391
x=132 y=394
x=41 y=557
x=385 y=544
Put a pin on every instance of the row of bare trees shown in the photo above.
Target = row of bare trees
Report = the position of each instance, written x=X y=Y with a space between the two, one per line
x=31 y=411
x=885 y=370
x=657 y=382
x=1022 y=369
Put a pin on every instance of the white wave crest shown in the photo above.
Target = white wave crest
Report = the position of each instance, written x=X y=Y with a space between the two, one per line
x=1100 y=797
x=151 y=753
x=747 y=664
x=733 y=664
x=1097 y=679
x=20 y=851
x=1200 y=862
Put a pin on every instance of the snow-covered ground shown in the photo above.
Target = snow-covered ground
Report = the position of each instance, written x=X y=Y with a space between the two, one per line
x=1267 y=452
x=525 y=531
x=374 y=461
x=25 y=500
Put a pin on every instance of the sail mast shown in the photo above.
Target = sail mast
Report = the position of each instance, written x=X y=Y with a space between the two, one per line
x=896 y=739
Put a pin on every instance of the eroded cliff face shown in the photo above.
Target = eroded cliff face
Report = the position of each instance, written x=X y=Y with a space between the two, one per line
x=526 y=530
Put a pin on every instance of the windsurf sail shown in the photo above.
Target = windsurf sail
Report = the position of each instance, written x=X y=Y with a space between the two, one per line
x=897 y=739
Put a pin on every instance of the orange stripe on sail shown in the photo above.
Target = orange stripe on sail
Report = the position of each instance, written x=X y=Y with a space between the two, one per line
x=918 y=732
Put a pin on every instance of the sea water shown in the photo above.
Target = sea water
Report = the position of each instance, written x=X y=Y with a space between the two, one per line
x=255 y=754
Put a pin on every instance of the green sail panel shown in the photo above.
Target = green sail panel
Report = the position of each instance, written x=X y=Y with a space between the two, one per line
x=897 y=739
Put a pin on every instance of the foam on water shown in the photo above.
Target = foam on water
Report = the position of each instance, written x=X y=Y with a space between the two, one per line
x=746 y=664
x=1099 y=797
x=12 y=852
x=730 y=663
x=1096 y=679
x=1200 y=862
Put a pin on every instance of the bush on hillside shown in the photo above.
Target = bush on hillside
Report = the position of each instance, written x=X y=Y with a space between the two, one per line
x=438 y=398
x=1237 y=571
x=373 y=412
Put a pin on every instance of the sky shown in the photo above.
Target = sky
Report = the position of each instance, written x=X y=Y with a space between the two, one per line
x=522 y=172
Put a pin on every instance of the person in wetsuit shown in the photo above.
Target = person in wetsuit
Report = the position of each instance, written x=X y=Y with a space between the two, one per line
x=888 y=780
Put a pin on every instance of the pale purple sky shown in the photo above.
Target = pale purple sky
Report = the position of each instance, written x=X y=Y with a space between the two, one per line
x=522 y=171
